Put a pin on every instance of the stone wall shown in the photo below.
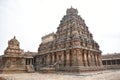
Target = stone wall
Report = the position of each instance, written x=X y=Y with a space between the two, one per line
x=48 y=38
x=111 y=61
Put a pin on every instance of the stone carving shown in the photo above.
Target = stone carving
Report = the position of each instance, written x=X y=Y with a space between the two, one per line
x=74 y=42
x=14 y=58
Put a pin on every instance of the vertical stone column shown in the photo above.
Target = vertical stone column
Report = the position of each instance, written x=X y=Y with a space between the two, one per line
x=45 y=59
x=93 y=58
x=53 y=61
x=30 y=61
x=96 y=58
x=79 y=57
x=62 y=58
x=74 y=57
x=110 y=62
x=67 y=58
x=100 y=59
x=26 y=61
x=48 y=59
x=70 y=57
x=89 y=58
x=85 y=58
x=57 y=57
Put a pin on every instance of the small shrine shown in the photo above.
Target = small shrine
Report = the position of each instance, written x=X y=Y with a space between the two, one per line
x=14 y=60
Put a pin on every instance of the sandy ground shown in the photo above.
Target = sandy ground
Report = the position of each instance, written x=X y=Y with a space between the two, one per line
x=100 y=75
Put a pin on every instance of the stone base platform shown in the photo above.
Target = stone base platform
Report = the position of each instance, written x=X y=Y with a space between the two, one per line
x=112 y=66
x=6 y=71
x=28 y=68
x=47 y=70
x=81 y=68
x=72 y=69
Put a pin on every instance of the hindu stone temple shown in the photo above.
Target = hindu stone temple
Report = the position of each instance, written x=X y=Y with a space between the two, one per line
x=71 y=48
x=15 y=60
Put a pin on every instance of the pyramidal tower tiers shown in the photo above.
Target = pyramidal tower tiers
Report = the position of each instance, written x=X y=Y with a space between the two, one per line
x=71 y=48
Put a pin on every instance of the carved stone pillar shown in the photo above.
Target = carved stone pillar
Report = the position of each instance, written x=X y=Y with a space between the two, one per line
x=89 y=58
x=85 y=58
x=64 y=58
x=96 y=59
x=57 y=57
x=48 y=59
x=100 y=59
x=31 y=61
x=74 y=57
x=45 y=59
x=93 y=58
x=79 y=57
x=67 y=58
x=70 y=57
x=53 y=61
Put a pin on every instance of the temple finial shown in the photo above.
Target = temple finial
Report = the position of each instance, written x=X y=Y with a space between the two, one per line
x=14 y=37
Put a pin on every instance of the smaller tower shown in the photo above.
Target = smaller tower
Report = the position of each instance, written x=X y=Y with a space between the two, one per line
x=13 y=47
x=15 y=60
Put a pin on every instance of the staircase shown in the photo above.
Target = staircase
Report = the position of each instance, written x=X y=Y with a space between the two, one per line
x=30 y=68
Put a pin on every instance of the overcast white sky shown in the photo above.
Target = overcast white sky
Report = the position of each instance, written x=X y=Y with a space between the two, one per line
x=29 y=20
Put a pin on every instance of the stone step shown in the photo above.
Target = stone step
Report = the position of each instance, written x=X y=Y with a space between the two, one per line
x=30 y=68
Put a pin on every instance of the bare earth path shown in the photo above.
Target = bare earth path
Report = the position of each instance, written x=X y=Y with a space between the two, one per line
x=100 y=75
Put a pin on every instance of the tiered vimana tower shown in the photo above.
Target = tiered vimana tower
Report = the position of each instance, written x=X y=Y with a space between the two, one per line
x=71 y=48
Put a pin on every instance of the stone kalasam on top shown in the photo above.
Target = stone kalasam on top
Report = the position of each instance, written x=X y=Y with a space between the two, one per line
x=71 y=48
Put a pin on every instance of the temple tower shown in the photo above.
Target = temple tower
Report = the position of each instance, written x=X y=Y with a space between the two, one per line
x=13 y=47
x=15 y=60
x=71 y=48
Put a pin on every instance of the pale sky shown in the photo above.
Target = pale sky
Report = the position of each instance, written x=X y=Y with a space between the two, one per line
x=29 y=20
